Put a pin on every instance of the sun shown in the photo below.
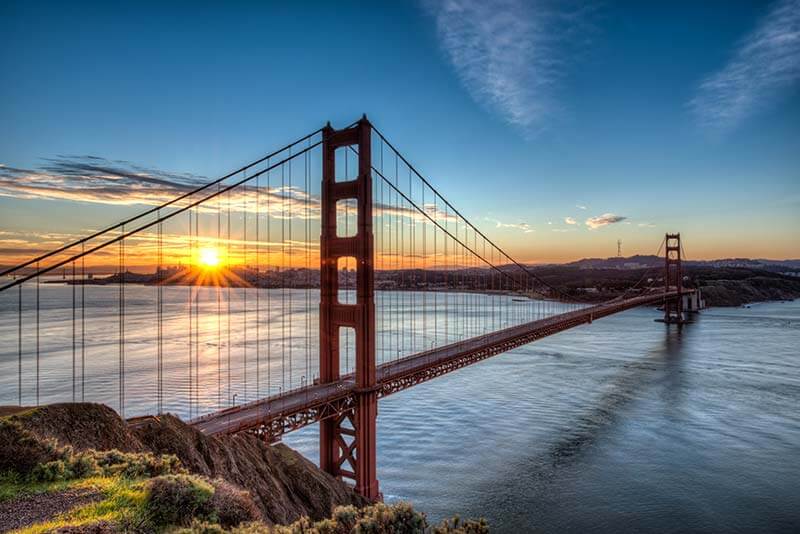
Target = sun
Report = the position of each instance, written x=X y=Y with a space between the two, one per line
x=208 y=257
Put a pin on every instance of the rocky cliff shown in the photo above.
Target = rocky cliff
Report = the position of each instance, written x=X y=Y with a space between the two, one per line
x=284 y=484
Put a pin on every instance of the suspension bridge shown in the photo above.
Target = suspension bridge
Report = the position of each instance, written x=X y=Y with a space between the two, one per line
x=299 y=289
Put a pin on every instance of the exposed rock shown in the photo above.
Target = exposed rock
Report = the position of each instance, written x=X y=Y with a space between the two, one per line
x=284 y=484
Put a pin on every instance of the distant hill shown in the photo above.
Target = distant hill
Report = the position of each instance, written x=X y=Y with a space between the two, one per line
x=632 y=262
x=724 y=282
x=643 y=262
x=751 y=263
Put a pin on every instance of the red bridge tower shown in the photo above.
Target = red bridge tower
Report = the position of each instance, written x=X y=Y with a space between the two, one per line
x=673 y=279
x=347 y=445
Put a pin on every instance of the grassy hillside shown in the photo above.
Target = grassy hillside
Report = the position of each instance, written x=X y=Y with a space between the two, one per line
x=75 y=468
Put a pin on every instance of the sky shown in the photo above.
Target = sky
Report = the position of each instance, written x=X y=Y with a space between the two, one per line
x=557 y=128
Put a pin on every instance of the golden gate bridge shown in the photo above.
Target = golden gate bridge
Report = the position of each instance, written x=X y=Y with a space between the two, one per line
x=298 y=289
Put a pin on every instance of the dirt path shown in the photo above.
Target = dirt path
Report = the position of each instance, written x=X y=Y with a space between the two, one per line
x=30 y=509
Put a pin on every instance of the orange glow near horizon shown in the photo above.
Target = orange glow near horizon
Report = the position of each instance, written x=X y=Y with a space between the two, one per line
x=146 y=251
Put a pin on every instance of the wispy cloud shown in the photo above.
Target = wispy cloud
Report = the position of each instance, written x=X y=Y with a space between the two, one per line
x=95 y=179
x=603 y=220
x=98 y=180
x=507 y=53
x=766 y=62
x=112 y=182
x=570 y=220
x=646 y=225
x=523 y=226
x=581 y=206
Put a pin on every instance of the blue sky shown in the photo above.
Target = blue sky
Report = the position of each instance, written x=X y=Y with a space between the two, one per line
x=627 y=119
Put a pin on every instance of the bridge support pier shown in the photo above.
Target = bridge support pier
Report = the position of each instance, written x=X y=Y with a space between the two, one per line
x=348 y=441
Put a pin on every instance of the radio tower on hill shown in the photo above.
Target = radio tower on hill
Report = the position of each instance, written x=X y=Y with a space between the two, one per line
x=619 y=248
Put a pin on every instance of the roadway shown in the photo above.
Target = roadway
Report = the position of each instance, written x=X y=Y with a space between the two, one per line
x=278 y=414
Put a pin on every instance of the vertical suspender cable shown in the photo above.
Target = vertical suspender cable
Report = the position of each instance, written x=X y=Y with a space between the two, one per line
x=413 y=227
x=37 y=333
x=269 y=298
x=244 y=276
x=307 y=174
x=283 y=277
x=435 y=276
x=445 y=280
x=197 y=288
x=258 y=289
x=397 y=264
x=220 y=280
x=383 y=251
x=291 y=216
x=425 y=268
x=402 y=263
x=122 y=324
x=228 y=285
x=398 y=247
x=188 y=275
x=464 y=288
x=19 y=344
x=160 y=308
x=83 y=321
x=74 y=343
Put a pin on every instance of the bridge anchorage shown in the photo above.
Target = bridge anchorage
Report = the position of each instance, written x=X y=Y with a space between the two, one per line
x=232 y=327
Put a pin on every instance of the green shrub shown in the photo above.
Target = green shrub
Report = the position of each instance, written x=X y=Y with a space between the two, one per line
x=232 y=505
x=345 y=517
x=84 y=465
x=202 y=527
x=459 y=526
x=52 y=472
x=70 y=465
x=178 y=499
x=379 y=518
x=42 y=460
x=135 y=465
x=100 y=527
x=329 y=526
x=399 y=518
x=21 y=451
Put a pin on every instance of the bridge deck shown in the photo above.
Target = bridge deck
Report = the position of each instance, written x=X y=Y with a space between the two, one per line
x=276 y=415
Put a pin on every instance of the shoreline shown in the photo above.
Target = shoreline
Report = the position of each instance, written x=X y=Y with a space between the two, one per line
x=104 y=282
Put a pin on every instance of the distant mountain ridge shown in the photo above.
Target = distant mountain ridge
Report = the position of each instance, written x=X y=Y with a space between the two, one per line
x=642 y=262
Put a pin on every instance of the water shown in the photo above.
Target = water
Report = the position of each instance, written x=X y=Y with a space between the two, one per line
x=622 y=425
x=221 y=346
